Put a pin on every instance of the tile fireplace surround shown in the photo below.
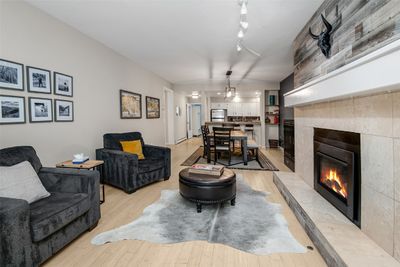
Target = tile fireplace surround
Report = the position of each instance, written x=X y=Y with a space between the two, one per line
x=377 y=119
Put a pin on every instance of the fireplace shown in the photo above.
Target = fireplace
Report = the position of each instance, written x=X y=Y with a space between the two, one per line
x=337 y=170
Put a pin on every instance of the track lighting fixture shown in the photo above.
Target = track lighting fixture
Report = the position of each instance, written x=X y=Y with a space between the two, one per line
x=244 y=24
x=243 y=9
x=240 y=34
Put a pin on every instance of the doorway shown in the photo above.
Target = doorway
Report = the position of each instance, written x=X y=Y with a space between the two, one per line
x=169 y=116
x=193 y=119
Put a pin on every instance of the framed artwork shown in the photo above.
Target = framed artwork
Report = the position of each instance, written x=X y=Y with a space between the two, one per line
x=39 y=80
x=63 y=110
x=40 y=109
x=130 y=105
x=12 y=109
x=11 y=75
x=152 y=108
x=63 y=84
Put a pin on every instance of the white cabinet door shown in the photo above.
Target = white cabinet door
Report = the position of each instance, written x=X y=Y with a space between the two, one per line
x=219 y=105
x=231 y=109
x=238 y=109
x=257 y=110
x=254 y=109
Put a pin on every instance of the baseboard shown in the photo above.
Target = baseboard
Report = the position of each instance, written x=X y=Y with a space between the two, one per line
x=181 y=140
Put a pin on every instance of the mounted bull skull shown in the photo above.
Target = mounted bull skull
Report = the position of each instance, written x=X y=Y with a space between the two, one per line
x=324 y=38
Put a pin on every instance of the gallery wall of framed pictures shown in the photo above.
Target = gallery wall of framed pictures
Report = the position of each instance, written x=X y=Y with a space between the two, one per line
x=38 y=81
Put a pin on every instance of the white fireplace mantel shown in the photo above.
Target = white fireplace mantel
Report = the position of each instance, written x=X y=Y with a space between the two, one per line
x=376 y=72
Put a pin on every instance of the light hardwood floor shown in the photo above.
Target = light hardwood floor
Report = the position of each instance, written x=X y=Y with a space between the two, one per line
x=121 y=208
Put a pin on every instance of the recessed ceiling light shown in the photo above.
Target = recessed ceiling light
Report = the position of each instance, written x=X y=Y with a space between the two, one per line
x=219 y=93
x=238 y=47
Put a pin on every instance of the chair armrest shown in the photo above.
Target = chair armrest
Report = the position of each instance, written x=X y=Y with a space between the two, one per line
x=75 y=181
x=69 y=180
x=16 y=242
x=119 y=169
x=156 y=151
x=162 y=152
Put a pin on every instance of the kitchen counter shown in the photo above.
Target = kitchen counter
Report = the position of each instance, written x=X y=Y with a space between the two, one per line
x=231 y=122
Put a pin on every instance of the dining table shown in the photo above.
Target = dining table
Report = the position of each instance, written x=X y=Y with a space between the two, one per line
x=235 y=135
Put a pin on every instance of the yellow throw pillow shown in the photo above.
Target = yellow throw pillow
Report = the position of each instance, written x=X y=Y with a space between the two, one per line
x=134 y=147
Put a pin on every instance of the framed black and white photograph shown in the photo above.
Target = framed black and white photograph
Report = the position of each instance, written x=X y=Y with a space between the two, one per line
x=63 y=110
x=130 y=105
x=12 y=109
x=63 y=84
x=39 y=80
x=11 y=75
x=40 y=109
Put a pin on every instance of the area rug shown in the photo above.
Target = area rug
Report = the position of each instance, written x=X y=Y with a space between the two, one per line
x=263 y=163
x=254 y=225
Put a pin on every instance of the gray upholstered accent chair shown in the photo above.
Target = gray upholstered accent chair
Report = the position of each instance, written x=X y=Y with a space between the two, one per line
x=124 y=170
x=31 y=233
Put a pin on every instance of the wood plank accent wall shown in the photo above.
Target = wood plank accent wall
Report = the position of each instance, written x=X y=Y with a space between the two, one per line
x=366 y=26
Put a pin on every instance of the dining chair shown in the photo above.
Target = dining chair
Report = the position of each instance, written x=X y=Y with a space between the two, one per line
x=205 y=131
x=222 y=143
x=237 y=127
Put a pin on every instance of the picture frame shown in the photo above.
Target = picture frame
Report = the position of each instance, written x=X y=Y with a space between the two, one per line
x=63 y=110
x=40 y=109
x=38 y=80
x=63 y=84
x=130 y=105
x=152 y=107
x=12 y=109
x=11 y=75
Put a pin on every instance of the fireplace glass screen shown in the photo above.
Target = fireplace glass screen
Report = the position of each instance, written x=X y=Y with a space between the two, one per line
x=332 y=176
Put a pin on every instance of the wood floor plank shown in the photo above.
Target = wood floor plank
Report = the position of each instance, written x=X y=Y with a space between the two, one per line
x=121 y=208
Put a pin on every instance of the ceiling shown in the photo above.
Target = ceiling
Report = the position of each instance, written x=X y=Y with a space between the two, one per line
x=192 y=41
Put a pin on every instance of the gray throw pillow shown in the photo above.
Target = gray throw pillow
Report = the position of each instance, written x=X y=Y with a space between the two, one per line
x=21 y=181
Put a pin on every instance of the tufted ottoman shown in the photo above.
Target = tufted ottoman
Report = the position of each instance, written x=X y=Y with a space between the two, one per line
x=203 y=189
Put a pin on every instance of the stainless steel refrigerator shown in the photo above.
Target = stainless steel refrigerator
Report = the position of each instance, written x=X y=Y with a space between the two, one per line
x=218 y=115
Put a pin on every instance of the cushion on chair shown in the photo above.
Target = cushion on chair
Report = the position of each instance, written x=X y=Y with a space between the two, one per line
x=22 y=182
x=50 y=214
x=112 y=140
x=133 y=147
x=150 y=164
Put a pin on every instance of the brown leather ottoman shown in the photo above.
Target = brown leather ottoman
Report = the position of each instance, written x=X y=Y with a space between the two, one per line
x=203 y=189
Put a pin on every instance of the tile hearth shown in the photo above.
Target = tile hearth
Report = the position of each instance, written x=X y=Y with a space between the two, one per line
x=339 y=241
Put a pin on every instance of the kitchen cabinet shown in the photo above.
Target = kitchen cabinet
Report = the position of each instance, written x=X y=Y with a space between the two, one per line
x=235 y=109
x=251 y=109
x=239 y=109
x=219 y=105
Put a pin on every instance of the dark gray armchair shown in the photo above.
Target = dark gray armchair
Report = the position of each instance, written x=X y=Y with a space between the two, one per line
x=31 y=233
x=125 y=170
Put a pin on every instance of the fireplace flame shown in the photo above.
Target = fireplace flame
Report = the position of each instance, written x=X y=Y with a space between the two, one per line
x=333 y=180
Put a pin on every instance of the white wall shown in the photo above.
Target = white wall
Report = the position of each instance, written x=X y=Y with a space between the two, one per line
x=33 y=38
x=180 y=121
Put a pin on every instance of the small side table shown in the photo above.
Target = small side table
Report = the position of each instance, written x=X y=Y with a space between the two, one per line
x=87 y=165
